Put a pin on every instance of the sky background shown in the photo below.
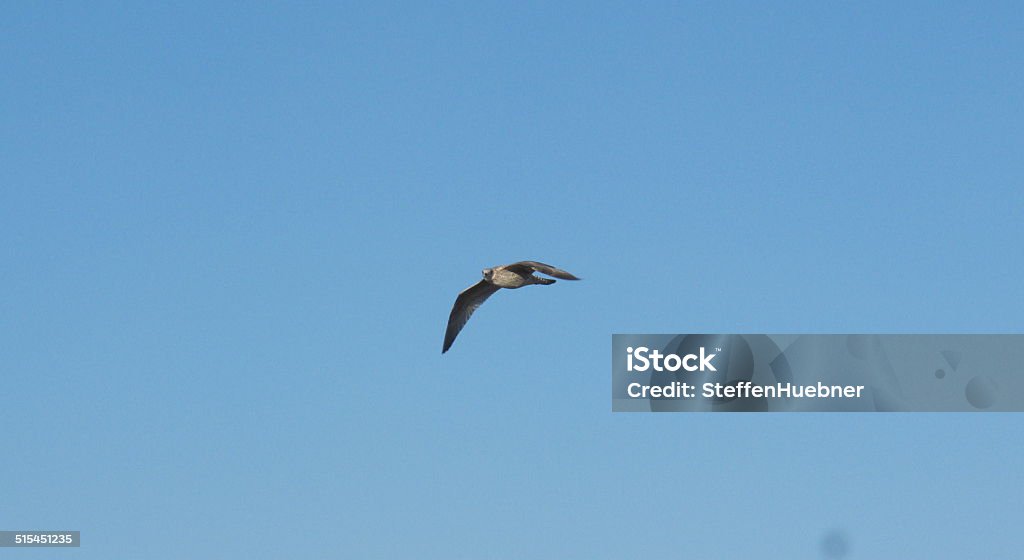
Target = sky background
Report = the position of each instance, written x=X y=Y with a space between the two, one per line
x=232 y=235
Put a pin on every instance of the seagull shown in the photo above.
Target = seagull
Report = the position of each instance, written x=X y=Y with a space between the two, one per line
x=511 y=276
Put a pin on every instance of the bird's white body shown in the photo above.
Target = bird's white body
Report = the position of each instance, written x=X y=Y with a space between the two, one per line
x=505 y=278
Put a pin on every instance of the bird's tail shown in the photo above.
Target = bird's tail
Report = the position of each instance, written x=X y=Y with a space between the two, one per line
x=542 y=281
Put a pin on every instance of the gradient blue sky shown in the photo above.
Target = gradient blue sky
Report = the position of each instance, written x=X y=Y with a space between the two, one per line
x=232 y=235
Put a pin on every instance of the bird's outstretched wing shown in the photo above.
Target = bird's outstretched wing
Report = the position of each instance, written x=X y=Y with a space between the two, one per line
x=528 y=267
x=467 y=302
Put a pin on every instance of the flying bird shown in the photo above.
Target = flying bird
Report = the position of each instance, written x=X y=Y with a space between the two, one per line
x=511 y=276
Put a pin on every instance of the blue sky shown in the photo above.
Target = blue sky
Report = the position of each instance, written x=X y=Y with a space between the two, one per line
x=232 y=235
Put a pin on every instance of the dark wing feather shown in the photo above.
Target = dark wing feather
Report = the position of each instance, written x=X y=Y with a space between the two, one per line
x=467 y=302
x=528 y=267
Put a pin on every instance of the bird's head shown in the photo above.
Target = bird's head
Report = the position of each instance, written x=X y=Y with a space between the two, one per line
x=488 y=273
